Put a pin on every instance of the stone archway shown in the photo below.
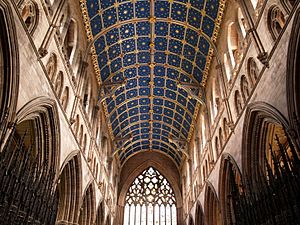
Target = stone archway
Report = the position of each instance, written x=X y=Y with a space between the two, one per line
x=212 y=210
x=230 y=182
x=9 y=68
x=293 y=79
x=69 y=189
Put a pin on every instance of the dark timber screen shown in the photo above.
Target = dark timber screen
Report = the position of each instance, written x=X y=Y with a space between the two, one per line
x=27 y=194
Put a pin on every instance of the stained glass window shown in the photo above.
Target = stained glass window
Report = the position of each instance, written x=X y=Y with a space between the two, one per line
x=150 y=200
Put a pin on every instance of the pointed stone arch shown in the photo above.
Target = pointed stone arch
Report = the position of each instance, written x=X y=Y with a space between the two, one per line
x=87 y=210
x=245 y=88
x=39 y=120
x=276 y=21
x=69 y=189
x=9 y=66
x=51 y=66
x=30 y=14
x=260 y=117
x=212 y=210
x=166 y=168
x=293 y=81
x=229 y=171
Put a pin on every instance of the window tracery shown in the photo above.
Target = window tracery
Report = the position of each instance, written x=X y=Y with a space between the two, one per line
x=252 y=70
x=150 y=200
x=51 y=66
x=276 y=21
x=29 y=13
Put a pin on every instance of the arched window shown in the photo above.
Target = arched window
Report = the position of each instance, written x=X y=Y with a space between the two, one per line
x=233 y=43
x=238 y=102
x=58 y=85
x=252 y=70
x=51 y=66
x=150 y=200
x=70 y=41
x=65 y=98
x=29 y=13
x=245 y=88
x=242 y=22
x=217 y=99
x=276 y=21
x=227 y=67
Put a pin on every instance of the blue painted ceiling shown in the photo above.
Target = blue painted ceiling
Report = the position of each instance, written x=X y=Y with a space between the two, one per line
x=152 y=45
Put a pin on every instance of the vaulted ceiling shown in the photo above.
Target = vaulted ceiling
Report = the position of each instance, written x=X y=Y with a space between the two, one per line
x=142 y=50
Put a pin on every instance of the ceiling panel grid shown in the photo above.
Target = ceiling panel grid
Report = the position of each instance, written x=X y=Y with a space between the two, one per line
x=152 y=45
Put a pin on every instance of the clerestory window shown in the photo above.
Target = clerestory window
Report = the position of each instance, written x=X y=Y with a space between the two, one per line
x=150 y=200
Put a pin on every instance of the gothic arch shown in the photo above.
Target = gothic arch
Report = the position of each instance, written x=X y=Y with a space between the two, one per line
x=293 y=71
x=199 y=216
x=276 y=21
x=70 y=41
x=87 y=210
x=242 y=22
x=165 y=172
x=245 y=89
x=212 y=210
x=238 y=102
x=230 y=177
x=9 y=66
x=252 y=70
x=69 y=189
x=30 y=14
x=162 y=170
x=259 y=117
x=39 y=120
x=233 y=43
x=51 y=66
